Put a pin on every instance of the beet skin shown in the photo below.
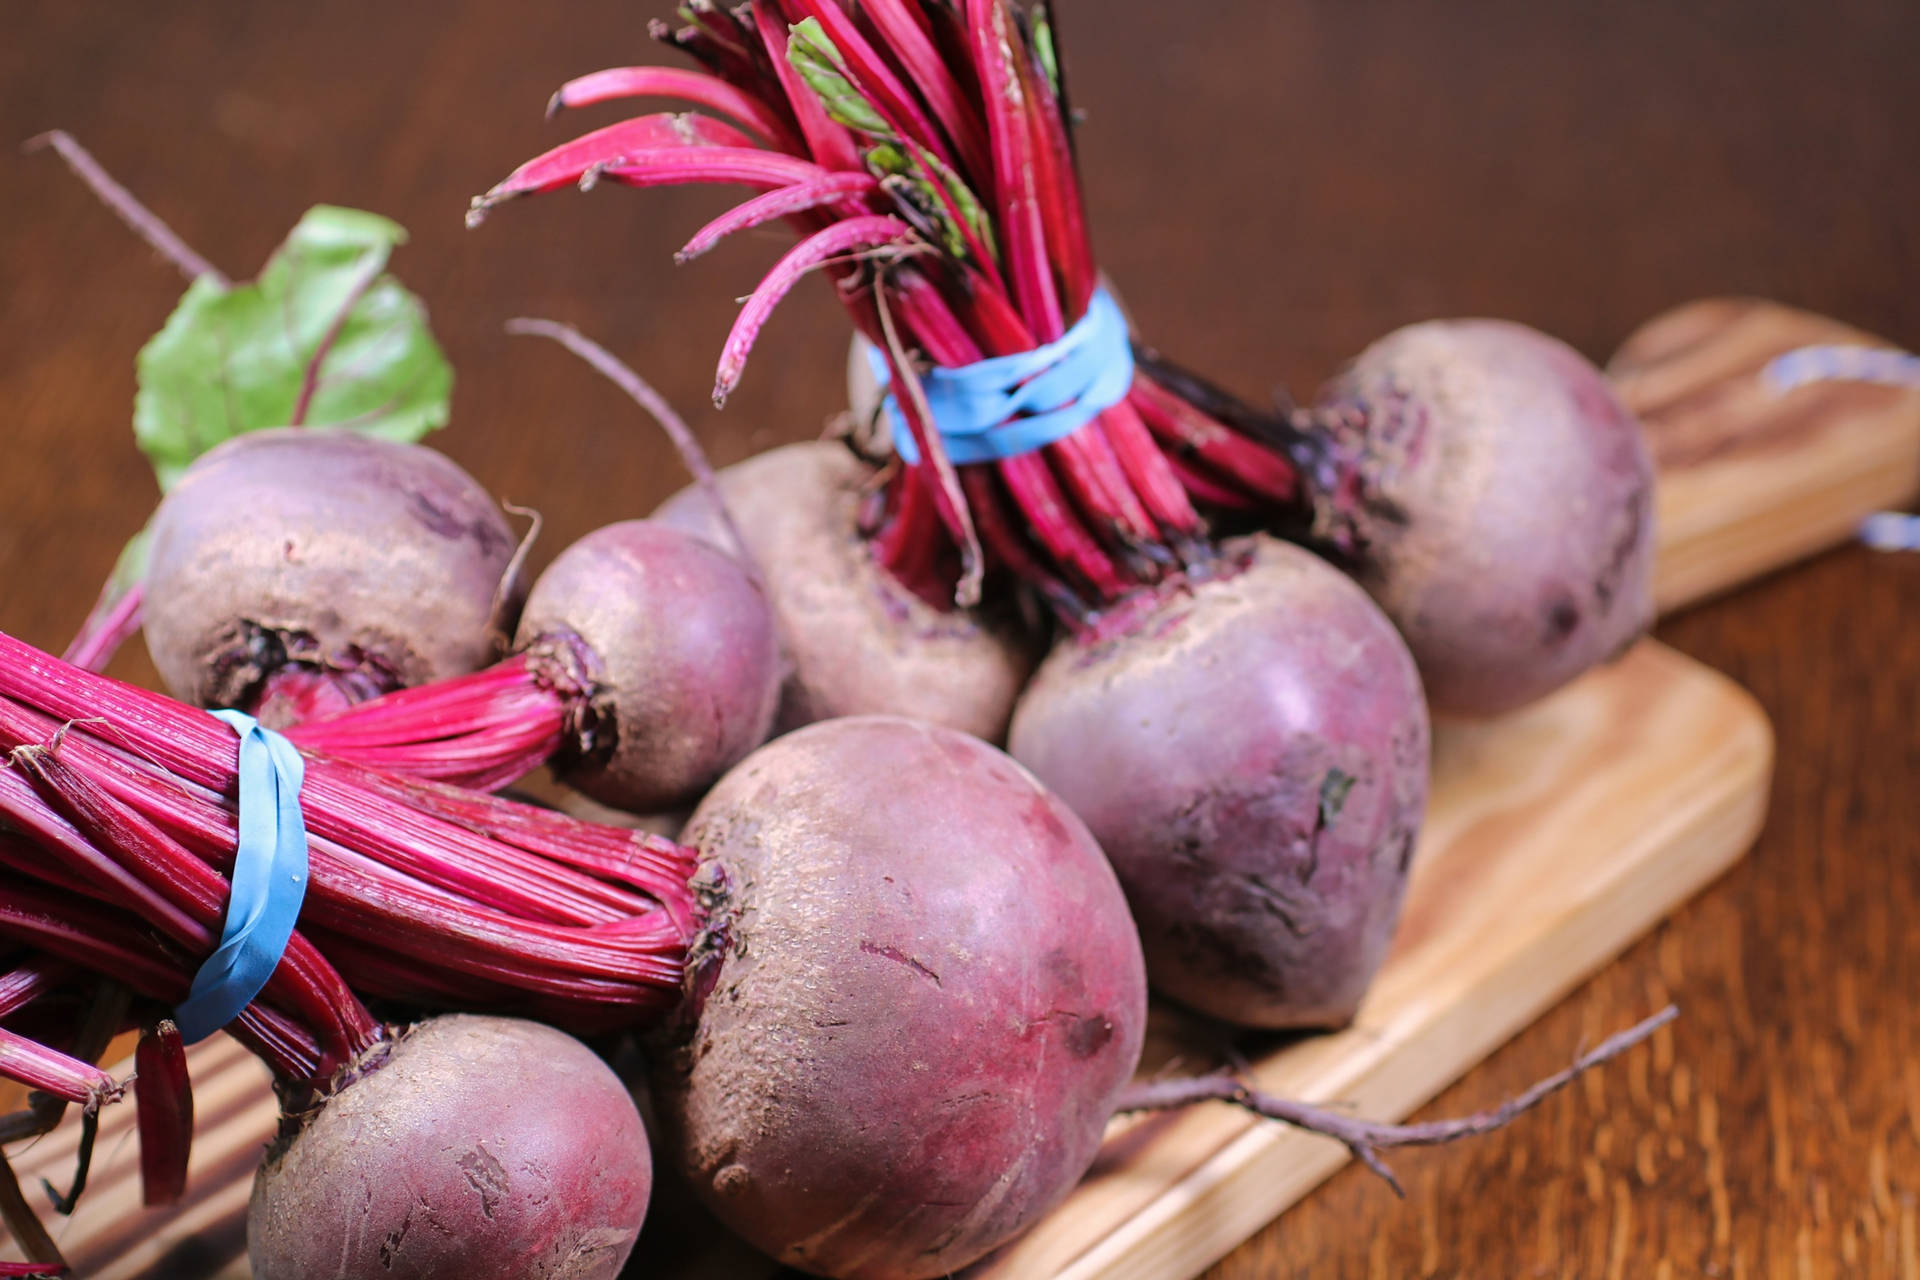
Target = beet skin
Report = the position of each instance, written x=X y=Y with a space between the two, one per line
x=1508 y=529
x=481 y=1147
x=681 y=654
x=328 y=549
x=918 y=998
x=1252 y=754
x=858 y=642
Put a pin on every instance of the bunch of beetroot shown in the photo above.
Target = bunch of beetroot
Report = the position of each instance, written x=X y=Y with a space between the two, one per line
x=1242 y=726
x=890 y=987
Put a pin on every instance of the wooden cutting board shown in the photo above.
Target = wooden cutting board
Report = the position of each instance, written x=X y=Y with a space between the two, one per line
x=1600 y=810
x=1752 y=480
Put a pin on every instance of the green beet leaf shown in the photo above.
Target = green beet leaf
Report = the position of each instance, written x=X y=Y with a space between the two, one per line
x=325 y=337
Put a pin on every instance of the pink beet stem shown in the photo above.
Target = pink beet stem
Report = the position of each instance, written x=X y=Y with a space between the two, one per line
x=1262 y=472
x=1038 y=495
x=141 y=220
x=945 y=490
x=673 y=82
x=871 y=232
x=114 y=620
x=831 y=144
x=1206 y=487
x=163 y=1112
x=663 y=139
x=782 y=202
x=30 y=980
x=900 y=24
x=909 y=544
x=50 y=1071
x=1147 y=470
x=303 y=983
x=1092 y=471
x=628 y=952
x=1063 y=208
x=1016 y=196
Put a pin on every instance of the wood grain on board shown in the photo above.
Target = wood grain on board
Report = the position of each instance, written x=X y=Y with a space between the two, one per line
x=1600 y=809
x=1750 y=478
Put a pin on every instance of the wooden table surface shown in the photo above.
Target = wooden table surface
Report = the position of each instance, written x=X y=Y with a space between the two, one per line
x=1274 y=183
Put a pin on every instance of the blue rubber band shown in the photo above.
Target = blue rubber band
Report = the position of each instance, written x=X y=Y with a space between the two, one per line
x=269 y=882
x=1843 y=364
x=1013 y=405
x=1891 y=531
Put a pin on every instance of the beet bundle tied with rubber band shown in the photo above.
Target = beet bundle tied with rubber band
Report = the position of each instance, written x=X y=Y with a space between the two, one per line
x=125 y=812
x=1243 y=728
x=890 y=985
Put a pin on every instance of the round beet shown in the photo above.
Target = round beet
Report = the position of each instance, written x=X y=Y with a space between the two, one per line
x=917 y=998
x=858 y=642
x=684 y=664
x=323 y=550
x=1252 y=755
x=478 y=1147
x=1507 y=527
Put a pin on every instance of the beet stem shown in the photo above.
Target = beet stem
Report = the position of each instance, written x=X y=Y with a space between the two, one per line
x=140 y=219
x=591 y=925
x=163 y=1112
x=948 y=498
x=112 y=623
x=41 y=1067
x=657 y=406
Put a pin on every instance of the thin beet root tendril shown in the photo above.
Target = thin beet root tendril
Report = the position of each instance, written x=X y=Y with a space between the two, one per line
x=941 y=133
x=1366 y=1139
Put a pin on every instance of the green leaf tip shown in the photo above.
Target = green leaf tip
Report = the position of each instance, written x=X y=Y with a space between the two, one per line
x=814 y=55
x=325 y=337
x=1043 y=46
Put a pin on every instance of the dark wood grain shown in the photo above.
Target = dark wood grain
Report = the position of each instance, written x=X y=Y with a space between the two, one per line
x=1274 y=184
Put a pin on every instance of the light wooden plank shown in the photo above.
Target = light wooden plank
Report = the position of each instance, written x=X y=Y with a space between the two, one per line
x=1751 y=480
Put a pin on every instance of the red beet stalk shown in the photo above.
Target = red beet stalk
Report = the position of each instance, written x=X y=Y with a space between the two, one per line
x=418 y=892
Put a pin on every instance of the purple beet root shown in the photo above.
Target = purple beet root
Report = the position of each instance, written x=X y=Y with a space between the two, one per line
x=1508 y=522
x=481 y=1147
x=857 y=642
x=374 y=565
x=1252 y=754
x=917 y=1001
x=683 y=661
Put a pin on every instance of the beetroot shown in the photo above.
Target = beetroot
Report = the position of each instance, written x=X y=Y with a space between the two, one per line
x=1251 y=752
x=477 y=1147
x=682 y=662
x=1505 y=513
x=858 y=641
x=289 y=556
x=916 y=1000
x=648 y=663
